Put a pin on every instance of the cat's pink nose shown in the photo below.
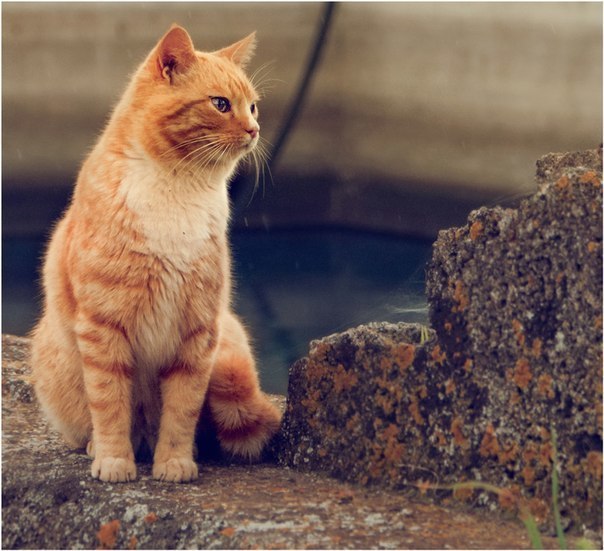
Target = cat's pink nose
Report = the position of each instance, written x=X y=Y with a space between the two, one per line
x=253 y=131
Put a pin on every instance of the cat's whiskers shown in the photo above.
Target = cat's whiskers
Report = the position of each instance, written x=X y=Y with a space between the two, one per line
x=188 y=142
x=260 y=158
x=260 y=78
x=193 y=155
x=212 y=155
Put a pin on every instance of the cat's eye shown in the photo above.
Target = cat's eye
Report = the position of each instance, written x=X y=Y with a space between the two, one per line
x=253 y=108
x=222 y=104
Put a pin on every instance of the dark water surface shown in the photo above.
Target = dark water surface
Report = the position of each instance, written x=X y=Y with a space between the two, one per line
x=291 y=286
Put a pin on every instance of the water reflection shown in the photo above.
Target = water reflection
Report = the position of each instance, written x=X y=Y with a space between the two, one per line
x=291 y=287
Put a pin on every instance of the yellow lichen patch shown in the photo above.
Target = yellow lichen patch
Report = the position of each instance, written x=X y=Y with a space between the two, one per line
x=536 y=347
x=389 y=432
x=476 y=229
x=593 y=464
x=441 y=440
x=376 y=460
x=530 y=452
x=150 y=518
x=107 y=534
x=563 y=182
x=521 y=374
x=458 y=436
x=518 y=332
x=438 y=355
x=393 y=450
x=460 y=295
x=353 y=422
x=228 y=532
x=545 y=454
x=385 y=363
x=449 y=387
x=133 y=542
x=315 y=370
x=385 y=402
x=414 y=411
x=545 y=386
x=508 y=453
x=514 y=398
x=528 y=474
x=509 y=498
x=590 y=177
x=489 y=446
x=539 y=508
x=448 y=326
x=592 y=246
x=403 y=355
x=468 y=365
x=311 y=402
x=319 y=351
x=343 y=379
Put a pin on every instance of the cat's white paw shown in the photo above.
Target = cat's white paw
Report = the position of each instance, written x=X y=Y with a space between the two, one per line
x=177 y=469
x=114 y=469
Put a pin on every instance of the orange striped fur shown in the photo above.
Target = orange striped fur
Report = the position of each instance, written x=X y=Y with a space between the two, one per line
x=137 y=330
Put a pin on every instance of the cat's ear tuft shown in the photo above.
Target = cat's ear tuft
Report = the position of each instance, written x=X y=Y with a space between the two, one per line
x=241 y=52
x=175 y=53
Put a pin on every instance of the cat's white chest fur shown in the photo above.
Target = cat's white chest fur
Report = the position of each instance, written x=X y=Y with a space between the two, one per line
x=178 y=219
x=177 y=215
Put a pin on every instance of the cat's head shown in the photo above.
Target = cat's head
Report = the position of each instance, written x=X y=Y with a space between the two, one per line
x=195 y=110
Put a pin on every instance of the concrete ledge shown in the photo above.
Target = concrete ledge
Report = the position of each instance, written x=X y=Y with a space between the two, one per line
x=49 y=500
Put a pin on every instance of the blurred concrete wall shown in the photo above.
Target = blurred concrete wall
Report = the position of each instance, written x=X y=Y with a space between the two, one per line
x=449 y=99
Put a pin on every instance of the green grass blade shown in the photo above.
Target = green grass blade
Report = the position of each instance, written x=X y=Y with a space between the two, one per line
x=584 y=544
x=532 y=530
x=555 y=492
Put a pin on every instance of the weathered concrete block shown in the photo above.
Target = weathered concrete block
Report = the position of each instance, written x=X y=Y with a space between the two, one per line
x=350 y=404
x=49 y=500
x=515 y=299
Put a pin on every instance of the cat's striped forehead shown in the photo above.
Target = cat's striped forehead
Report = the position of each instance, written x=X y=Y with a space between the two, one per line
x=221 y=77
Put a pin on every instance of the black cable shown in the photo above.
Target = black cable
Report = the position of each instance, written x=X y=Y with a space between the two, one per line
x=309 y=72
x=244 y=188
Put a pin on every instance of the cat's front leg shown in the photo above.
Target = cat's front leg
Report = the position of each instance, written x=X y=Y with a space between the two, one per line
x=108 y=369
x=183 y=388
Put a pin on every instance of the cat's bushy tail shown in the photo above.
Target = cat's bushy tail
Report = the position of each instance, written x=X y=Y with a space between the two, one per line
x=244 y=417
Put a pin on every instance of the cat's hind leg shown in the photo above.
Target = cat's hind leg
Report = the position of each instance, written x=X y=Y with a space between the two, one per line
x=244 y=417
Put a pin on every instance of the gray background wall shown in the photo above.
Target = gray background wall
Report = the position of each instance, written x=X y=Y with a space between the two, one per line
x=418 y=111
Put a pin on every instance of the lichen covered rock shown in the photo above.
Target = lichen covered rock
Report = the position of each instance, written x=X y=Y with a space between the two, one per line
x=515 y=299
x=50 y=501
x=359 y=402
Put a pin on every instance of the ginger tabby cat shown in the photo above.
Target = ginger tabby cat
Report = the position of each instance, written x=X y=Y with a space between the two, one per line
x=137 y=333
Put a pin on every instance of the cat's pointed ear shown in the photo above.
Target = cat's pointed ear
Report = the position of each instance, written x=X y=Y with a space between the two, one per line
x=174 y=53
x=241 y=52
